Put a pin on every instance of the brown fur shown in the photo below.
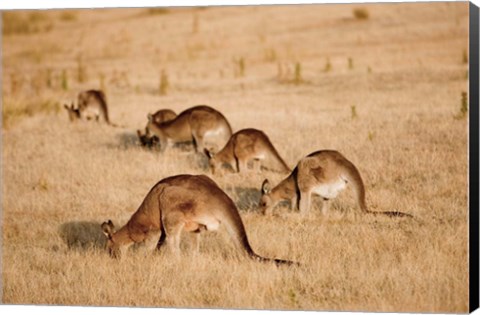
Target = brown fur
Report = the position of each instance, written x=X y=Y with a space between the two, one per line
x=197 y=124
x=245 y=146
x=163 y=115
x=318 y=173
x=183 y=202
x=92 y=104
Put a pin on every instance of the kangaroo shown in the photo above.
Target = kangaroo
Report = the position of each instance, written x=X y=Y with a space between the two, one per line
x=325 y=173
x=244 y=146
x=92 y=104
x=73 y=113
x=200 y=124
x=192 y=203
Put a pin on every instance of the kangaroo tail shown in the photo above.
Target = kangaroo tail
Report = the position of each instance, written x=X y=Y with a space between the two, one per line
x=353 y=175
x=236 y=229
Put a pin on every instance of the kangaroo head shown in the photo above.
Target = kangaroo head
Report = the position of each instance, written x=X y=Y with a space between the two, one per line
x=73 y=113
x=109 y=231
x=212 y=160
x=266 y=201
x=146 y=140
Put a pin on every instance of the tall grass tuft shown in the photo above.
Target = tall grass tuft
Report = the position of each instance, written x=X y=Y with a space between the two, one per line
x=81 y=70
x=164 y=83
x=298 y=79
x=465 y=56
x=239 y=70
x=328 y=66
x=353 y=110
x=463 y=106
x=64 y=80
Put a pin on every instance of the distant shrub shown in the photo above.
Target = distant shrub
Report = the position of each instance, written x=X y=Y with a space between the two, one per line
x=157 y=11
x=361 y=13
x=68 y=16
x=22 y=23
x=14 y=109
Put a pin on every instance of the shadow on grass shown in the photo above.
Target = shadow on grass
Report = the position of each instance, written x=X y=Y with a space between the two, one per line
x=247 y=198
x=126 y=140
x=82 y=235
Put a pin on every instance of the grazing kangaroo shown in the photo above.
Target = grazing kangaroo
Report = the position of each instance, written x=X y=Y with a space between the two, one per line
x=244 y=146
x=73 y=113
x=191 y=203
x=92 y=104
x=325 y=173
x=201 y=124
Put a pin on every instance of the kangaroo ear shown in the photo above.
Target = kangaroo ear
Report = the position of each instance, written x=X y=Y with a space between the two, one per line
x=265 y=187
x=208 y=153
x=107 y=228
x=150 y=117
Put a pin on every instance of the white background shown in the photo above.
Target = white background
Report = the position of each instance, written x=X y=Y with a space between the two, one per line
x=45 y=4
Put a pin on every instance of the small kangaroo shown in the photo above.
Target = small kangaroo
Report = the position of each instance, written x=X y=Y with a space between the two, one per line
x=92 y=104
x=325 y=173
x=192 y=203
x=200 y=124
x=73 y=113
x=244 y=146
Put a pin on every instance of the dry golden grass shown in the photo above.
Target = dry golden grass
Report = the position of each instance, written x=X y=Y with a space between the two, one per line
x=61 y=180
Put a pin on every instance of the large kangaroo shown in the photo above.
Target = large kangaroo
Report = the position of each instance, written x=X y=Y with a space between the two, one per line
x=201 y=124
x=244 y=146
x=192 y=203
x=325 y=173
x=92 y=104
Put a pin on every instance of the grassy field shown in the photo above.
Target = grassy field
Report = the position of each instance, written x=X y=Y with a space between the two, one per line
x=380 y=83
